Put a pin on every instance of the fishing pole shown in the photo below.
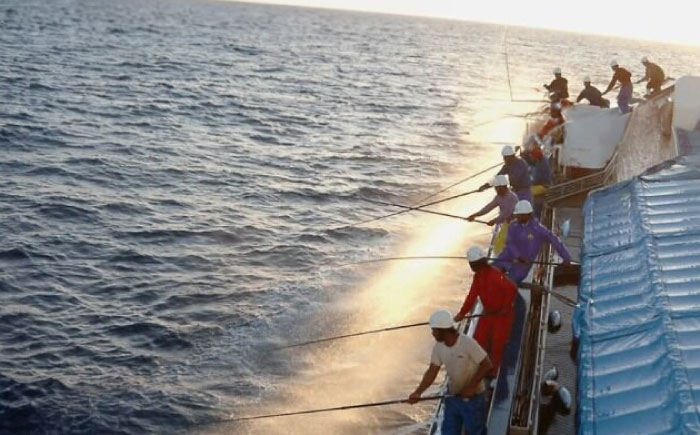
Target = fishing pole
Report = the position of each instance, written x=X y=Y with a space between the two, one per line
x=337 y=408
x=541 y=288
x=409 y=208
x=438 y=257
x=505 y=53
x=416 y=204
x=392 y=328
x=510 y=87
x=561 y=297
x=491 y=121
x=462 y=181
x=529 y=101
x=423 y=210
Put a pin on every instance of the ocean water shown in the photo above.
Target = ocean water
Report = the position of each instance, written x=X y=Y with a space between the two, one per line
x=177 y=181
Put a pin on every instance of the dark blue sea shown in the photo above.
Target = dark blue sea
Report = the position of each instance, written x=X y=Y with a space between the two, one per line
x=177 y=180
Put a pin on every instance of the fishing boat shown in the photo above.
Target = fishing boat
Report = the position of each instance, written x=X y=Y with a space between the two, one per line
x=626 y=358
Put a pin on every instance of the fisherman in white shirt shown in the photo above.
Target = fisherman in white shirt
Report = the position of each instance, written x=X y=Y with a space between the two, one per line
x=466 y=364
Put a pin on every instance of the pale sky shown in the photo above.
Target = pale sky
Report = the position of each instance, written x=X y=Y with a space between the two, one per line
x=666 y=21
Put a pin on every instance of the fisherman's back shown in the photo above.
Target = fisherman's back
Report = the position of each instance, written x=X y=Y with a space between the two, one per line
x=594 y=97
x=518 y=175
x=655 y=73
x=623 y=76
x=560 y=86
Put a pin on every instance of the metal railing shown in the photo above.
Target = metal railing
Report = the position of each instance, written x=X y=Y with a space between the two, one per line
x=583 y=184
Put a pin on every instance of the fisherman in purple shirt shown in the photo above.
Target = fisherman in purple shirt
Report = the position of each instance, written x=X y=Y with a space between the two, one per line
x=505 y=200
x=525 y=239
x=518 y=174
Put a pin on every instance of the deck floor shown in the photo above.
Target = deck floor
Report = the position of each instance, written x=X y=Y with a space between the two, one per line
x=558 y=349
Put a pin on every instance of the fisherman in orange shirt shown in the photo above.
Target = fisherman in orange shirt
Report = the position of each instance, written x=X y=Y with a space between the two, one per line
x=497 y=294
x=555 y=120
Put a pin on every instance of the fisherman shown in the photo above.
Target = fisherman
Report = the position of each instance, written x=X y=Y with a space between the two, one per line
x=497 y=294
x=525 y=238
x=505 y=199
x=559 y=88
x=555 y=120
x=654 y=74
x=466 y=364
x=517 y=172
x=625 y=78
x=541 y=174
x=592 y=94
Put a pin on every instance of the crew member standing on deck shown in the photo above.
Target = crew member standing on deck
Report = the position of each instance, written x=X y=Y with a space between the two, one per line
x=625 y=78
x=654 y=74
x=517 y=171
x=526 y=236
x=559 y=88
x=541 y=177
x=505 y=199
x=592 y=94
x=497 y=294
x=467 y=364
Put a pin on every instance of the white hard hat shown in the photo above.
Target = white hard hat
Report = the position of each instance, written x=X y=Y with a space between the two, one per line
x=614 y=63
x=507 y=151
x=499 y=180
x=475 y=253
x=557 y=70
x=441 y=319
x=523 y=207
x=556 y=106
x=586 y=79
x=645 y=59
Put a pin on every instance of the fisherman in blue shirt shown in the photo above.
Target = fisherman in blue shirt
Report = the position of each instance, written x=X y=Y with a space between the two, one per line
x=541 y=174
x=518 y=174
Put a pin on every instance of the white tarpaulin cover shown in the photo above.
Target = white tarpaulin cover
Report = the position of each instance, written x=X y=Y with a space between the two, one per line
x=591 y=136
x=686 y=96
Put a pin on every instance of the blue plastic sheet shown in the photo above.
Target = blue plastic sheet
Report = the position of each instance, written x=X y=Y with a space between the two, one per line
x=638 y=319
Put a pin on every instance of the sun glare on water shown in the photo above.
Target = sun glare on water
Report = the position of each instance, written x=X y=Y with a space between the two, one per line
x=387 y=365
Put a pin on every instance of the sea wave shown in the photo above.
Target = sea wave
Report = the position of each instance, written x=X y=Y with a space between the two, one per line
x=178 y=179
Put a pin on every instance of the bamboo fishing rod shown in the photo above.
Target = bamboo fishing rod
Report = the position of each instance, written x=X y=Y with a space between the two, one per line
x=447 y=257
x=418 y=204
x=464 y=180
x=529 y=286
x=357 y=334
x=337 y=408
x=541 y=288
x=420 y=209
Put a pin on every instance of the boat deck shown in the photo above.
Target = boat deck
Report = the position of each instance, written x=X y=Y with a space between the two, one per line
x=558 y=345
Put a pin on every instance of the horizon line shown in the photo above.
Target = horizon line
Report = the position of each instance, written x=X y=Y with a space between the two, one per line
x=467 y=20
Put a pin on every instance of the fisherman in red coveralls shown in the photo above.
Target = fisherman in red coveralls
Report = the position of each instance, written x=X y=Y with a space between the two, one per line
x=497 y=294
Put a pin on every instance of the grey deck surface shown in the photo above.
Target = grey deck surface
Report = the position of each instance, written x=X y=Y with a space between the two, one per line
x=559 y=343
